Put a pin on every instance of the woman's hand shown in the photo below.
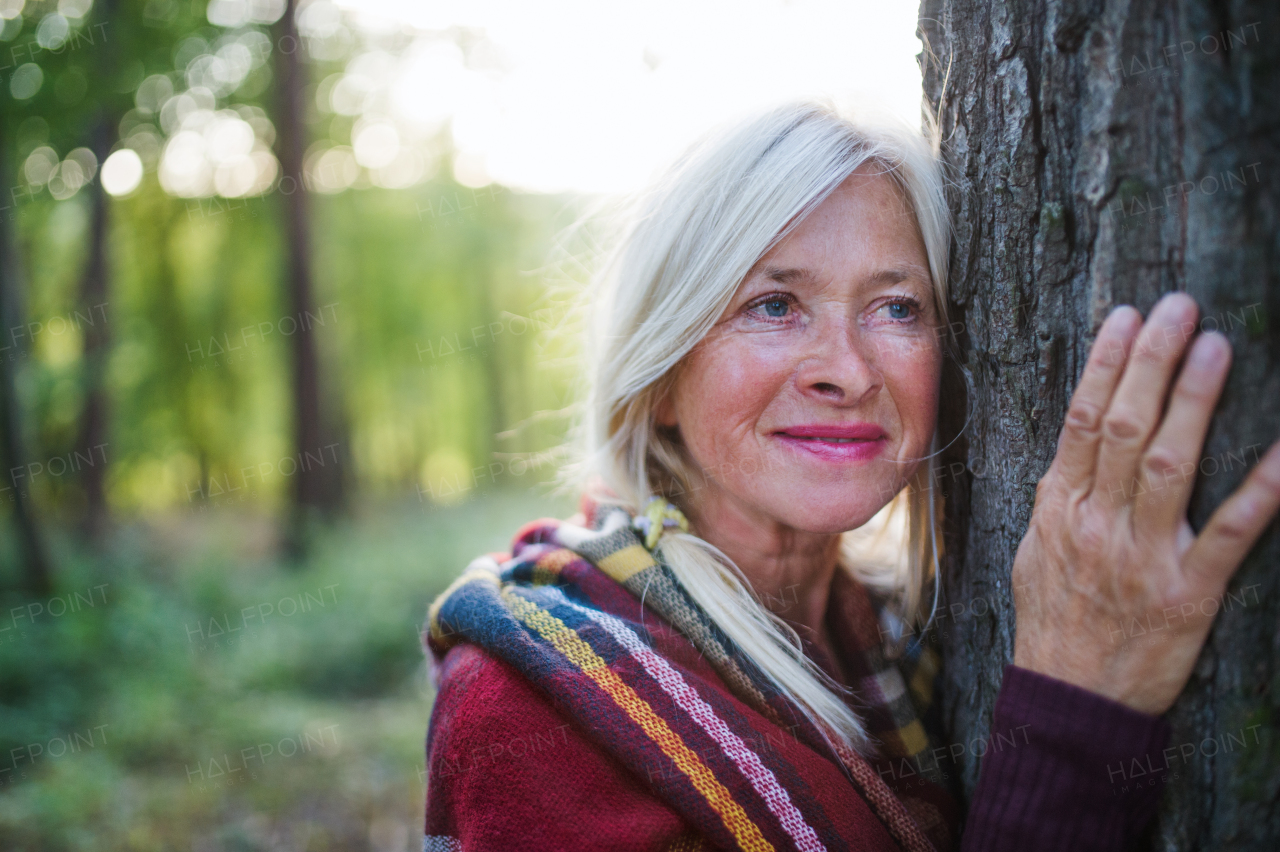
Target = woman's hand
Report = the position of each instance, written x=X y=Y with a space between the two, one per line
x=1111 y=585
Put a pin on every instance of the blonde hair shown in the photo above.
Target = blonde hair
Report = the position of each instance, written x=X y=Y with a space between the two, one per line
x=684 y=248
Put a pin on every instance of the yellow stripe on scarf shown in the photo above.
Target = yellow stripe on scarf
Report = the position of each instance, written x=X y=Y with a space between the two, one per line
x=922 y=680
x=914 y=737
x=546 y=571
x=624 y=564
x=575 y=648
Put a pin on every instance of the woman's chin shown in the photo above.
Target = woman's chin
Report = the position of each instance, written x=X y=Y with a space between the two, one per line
x=828 y=518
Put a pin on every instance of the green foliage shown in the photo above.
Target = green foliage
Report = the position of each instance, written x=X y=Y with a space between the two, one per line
x=446 y=362
x=94 y=68
x=198 y=647
x=432 y=316
x=433 y=321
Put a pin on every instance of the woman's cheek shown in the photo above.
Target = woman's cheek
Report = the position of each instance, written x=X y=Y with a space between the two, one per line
x=724 y=391
x=735 y=373
x=912 y=369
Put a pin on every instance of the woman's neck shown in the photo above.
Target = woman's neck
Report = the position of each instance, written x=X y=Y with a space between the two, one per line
x=789 y=569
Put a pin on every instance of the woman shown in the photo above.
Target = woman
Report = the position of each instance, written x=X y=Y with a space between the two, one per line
x=707 y=658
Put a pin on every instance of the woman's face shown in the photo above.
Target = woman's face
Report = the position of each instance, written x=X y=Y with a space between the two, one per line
x=814 y=399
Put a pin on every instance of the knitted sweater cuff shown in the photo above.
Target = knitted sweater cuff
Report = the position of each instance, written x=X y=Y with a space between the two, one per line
x=1065 y=769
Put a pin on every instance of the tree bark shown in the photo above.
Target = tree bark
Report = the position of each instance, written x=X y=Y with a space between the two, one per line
x=316 y=486
x=1104 y=152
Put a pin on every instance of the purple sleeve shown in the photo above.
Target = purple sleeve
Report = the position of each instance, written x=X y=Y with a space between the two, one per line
x=1065 y=769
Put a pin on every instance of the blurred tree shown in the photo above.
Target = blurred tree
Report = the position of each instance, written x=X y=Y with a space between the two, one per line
x=1106 y=153
x=37 y=573
x=80 y=64
x=110 y=100
x=317 y=485
x=198 y=369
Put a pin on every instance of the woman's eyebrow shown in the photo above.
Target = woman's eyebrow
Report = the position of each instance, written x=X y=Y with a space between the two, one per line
x=898 y=274
x=894 y=275
x=786 y=275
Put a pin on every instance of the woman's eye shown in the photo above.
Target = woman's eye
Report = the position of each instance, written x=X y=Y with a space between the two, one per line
x=900 y=310
x=776 y=307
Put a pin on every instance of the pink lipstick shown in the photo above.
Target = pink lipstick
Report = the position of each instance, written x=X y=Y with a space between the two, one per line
x=836 y=442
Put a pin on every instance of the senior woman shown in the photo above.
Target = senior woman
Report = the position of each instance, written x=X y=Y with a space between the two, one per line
x=708 y=657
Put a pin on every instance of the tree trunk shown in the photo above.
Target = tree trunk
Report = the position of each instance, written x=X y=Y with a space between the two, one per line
x=37 y=574
x=316 y=486
x=94 y=287
x=93 y=303
x=1105 y=152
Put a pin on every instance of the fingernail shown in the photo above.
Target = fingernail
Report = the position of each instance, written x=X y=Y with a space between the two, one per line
x=1177 y=302
x=1209 y=351
x=1124 y=317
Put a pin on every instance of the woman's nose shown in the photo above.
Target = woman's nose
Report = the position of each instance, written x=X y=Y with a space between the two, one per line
x=838 y=365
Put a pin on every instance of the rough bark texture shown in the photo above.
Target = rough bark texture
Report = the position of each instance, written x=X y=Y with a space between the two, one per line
x=1105 y=152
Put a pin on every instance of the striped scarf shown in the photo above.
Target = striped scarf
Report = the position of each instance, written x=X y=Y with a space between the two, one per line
x=553 y=612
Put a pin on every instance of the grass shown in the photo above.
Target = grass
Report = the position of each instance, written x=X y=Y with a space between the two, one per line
x=214 y=699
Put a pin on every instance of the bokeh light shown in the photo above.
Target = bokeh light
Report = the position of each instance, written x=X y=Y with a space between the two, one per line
x=122 y=172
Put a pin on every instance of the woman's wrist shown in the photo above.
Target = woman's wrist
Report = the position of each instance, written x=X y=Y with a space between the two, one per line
x=1144 y=676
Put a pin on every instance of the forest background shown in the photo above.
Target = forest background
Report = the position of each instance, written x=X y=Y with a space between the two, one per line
x=234 y=479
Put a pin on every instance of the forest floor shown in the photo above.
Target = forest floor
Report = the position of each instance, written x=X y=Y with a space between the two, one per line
x=185 y=689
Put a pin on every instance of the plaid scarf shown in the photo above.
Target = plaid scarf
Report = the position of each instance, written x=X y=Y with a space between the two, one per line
x=555 y=612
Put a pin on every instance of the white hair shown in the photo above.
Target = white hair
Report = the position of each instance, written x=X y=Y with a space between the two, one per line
x=685 y=246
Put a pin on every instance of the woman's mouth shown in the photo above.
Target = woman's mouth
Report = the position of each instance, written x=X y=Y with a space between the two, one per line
x=836 y=442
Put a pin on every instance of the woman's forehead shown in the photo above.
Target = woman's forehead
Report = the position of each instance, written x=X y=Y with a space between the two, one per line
x=862 y=237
